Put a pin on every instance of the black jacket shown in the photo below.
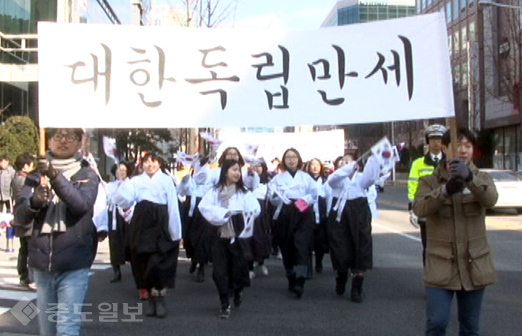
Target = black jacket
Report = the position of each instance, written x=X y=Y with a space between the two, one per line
x=62 y=251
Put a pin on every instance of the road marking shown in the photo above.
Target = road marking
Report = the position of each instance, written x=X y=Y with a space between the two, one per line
x=16 y=295
x=409 y=236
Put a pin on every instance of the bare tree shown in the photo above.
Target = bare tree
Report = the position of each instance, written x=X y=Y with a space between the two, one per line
x=503 y=47
x=206 y=13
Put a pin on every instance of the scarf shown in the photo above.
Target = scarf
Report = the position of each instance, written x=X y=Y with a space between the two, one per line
x=57 y=210
x=224 y=196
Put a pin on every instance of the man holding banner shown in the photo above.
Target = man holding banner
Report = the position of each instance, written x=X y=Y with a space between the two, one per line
x=459 y=263
x=58 y=199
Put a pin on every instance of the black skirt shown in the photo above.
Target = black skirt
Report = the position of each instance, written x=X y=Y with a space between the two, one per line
x=149 y=241
x=351 y=238
x=117 y=246
x=198 y=233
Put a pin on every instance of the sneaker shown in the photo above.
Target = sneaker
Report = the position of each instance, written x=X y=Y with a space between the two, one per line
x=224 y=312
x=264 y=270
x=32 y=286
x=279 y=256
x=251 y=274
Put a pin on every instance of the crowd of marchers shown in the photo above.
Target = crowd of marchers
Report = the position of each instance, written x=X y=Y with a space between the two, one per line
x=235 y=216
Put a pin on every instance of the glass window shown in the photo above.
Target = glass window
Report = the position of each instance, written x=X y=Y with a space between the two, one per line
x=464 y=75
x=456 y=42
x=448 y=12
x=456 y=75
x=471 y=36
x=464 y=38
x=463 y=5
x=455 y=9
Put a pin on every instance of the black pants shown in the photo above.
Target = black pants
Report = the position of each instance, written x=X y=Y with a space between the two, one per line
x=23 y=253
x=294 y=233
x=230 y=269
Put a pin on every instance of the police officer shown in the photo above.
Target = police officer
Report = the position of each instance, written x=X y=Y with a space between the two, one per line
x=423 y=166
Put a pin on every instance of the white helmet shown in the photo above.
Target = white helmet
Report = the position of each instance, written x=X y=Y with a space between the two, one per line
x=434 y=130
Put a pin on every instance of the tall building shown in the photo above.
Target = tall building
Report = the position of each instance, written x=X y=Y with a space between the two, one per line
x=362 y=137
x=347 y=12
x=484 y=42
x=18 y=48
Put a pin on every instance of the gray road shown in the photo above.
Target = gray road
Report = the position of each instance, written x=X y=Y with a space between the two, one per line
x=394 y=302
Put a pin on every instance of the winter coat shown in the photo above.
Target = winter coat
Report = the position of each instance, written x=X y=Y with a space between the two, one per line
x=62 y=251
x=458 y=255
x=6 y=176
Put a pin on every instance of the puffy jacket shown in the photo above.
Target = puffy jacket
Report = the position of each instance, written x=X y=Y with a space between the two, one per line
x=457 y=253
x=74 y=248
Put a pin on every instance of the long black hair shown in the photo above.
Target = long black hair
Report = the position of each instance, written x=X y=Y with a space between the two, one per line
x=223 y=157
x=321 y=172
x=223 y=175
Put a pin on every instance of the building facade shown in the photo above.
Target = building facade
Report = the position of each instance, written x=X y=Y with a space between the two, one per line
x=361 y=137
x=484 y=42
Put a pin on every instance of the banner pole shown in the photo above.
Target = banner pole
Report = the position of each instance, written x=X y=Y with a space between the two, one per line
x=43 y=179
x=452 y=123
x=42 y=142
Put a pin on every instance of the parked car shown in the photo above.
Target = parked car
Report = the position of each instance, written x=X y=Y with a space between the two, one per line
x=509 y=187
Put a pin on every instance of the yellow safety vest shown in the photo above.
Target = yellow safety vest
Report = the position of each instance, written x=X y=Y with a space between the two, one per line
x=419 y=168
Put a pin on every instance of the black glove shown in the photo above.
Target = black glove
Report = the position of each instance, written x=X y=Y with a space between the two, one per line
x=455 y=185
x=40 y=197
x=46 y=168
x=458 y=168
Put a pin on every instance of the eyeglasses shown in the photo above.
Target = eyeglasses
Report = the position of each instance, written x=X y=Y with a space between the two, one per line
x=68 y=137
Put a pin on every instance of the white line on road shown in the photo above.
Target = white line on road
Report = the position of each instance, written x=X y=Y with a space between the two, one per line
x=397 y=232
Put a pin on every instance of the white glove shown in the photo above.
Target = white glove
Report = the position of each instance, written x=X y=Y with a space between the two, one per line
x=414 y=220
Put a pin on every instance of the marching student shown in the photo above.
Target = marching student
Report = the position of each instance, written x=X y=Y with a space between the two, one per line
x=154 y=231
x=117 y=220
x=197 y=235
x=294 y=193
x=320 y=241
x=261 y=244
x=231 y=209
x=349 y=223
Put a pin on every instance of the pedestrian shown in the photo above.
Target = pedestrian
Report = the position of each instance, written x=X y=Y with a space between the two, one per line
x=231 y=209
x=7 y=174
x=320 y=240
x=61 y=249
x=118 y=220
x=154 y=231
x=294 y=194
x=349 y=223
x=24 y=164
x=197 y=237
x=423 y=166
x=261 y=239
x=459 y=263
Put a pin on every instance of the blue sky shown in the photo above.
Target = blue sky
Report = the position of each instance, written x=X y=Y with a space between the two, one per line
x=277 y=14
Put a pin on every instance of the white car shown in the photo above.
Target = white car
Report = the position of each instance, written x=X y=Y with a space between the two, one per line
x=509 y=187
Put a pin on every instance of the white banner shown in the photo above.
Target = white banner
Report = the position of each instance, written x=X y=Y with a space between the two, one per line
x=116 y=76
